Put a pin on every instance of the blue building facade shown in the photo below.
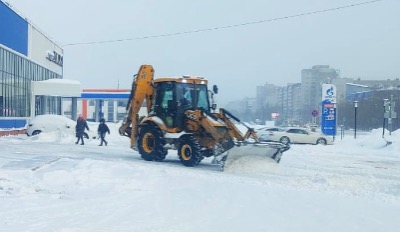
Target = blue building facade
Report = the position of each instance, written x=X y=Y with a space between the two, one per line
x=24 y=59
x=13 y=30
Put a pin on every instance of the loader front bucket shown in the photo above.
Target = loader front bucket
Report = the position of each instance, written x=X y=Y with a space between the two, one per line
x=251 y=154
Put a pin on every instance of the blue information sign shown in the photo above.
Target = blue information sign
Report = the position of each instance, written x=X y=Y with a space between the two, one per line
x=328 y=119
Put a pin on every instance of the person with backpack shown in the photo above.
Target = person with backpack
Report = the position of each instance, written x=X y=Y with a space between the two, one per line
x=80 y=127
x=102 y=130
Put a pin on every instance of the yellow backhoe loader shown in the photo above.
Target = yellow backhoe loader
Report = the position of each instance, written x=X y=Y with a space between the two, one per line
x=181 y=116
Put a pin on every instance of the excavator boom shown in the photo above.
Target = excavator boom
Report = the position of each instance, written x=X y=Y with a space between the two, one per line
x=142 y=89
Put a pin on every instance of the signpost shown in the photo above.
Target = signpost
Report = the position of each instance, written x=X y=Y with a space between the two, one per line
x=314 y=114
x=328 y=115
x=389 y=113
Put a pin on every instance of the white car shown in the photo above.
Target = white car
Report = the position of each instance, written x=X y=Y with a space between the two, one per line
x=53 y=123
x=296 y=135
x=263 y=133
x=265 y=129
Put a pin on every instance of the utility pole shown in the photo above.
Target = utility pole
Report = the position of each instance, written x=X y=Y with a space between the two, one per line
x=389 y=113
x=385 y=104
x=355 y=118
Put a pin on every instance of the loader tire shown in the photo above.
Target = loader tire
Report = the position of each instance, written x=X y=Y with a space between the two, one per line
x=151 y=143
x=189 y=151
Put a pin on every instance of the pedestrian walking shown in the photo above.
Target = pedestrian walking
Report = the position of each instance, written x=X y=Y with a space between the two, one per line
x=102 y=130
x=80 y=127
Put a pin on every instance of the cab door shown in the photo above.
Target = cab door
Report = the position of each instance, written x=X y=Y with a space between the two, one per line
x=165 y=103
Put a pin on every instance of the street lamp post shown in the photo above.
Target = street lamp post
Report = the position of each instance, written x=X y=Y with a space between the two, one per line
x=385 y=103
x=355 y=118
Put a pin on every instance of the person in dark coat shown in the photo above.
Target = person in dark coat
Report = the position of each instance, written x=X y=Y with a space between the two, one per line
x=80 y=127
x=102 y=130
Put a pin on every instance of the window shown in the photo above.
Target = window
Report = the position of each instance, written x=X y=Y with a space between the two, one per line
x=122 y=103
x=203 y=98
x=167 y=96
x=196 y=95
x=110 y=110
x=16 y=74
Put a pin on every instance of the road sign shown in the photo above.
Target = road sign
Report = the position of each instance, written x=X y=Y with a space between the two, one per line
x=391 y=114
x=329 y=93
x=328 y=118
x=314 y=113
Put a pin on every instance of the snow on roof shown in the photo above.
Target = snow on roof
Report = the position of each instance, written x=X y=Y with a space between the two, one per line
x=57 y=87
x=62 y=81
x=358 y=85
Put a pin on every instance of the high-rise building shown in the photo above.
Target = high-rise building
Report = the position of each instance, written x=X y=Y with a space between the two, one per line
x=311 y=80
x=290 y=104
x=266 y=101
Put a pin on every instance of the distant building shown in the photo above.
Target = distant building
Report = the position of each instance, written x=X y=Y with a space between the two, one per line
x=311 y=80
x=379 y=84
x=243 y=109
x=295 y=102
x=340 y=84
x=361 y=89
x=291 y=104
x=266 y=98
x=357 y=92
x=94 y=104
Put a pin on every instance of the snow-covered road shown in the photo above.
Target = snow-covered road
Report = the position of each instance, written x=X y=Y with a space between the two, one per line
x=47 y=183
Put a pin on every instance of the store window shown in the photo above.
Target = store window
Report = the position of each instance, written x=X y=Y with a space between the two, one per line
x=16 y=74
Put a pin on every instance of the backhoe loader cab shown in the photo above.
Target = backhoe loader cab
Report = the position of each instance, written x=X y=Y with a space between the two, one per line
x=174 y=96
x=180 y=116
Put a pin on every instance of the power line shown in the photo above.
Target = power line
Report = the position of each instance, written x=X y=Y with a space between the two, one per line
x=223 y=27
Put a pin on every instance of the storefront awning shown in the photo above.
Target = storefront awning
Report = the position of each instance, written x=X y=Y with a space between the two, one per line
x=57 y=87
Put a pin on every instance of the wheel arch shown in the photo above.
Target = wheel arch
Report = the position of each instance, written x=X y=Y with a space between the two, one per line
x=36 y=132
x=321 y=139
x=155 y=120
x=285 y=137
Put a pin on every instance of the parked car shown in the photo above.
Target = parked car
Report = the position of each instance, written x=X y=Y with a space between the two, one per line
x=53 y=123
x=263 y=133
x=296 y=135
x=266 y=129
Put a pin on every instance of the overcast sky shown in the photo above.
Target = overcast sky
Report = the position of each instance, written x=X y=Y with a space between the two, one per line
x=361 y=41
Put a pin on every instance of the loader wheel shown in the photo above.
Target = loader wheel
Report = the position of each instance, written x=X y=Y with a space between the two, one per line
x=189 y=151
x=151 y=143
x=284 y=140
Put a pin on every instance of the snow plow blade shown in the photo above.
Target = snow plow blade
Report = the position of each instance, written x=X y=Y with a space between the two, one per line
x=263 y=150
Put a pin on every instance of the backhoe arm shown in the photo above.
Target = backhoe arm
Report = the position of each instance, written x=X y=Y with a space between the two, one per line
x=142 y=88
x=234 y=132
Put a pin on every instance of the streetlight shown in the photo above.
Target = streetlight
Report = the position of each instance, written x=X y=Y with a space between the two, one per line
x=385 y=104
x=355 y=118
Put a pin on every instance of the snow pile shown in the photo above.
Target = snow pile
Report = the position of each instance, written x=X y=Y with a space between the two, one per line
x=249 y=164
x=376 y=140
x=53 y=137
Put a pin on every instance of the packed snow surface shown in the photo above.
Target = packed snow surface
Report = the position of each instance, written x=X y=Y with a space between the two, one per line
x=47 y=183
